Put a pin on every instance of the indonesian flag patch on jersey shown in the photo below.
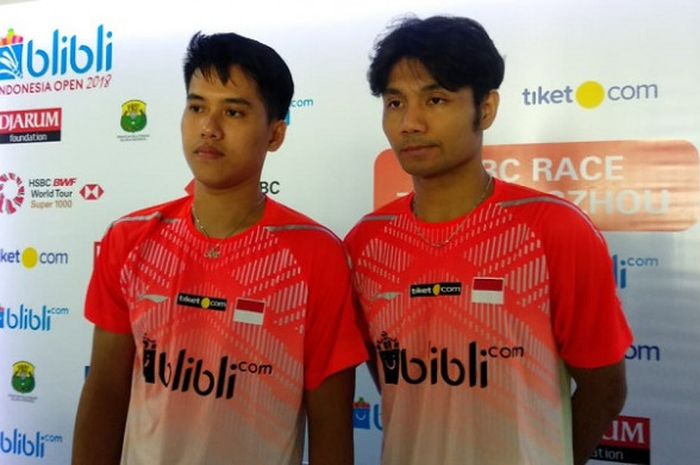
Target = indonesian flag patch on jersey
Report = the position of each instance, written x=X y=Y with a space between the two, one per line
x=487 y=290
x=249 y=311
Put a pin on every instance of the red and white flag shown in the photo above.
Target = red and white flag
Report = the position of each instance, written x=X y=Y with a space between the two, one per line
x=249 y=311
x=487 y=290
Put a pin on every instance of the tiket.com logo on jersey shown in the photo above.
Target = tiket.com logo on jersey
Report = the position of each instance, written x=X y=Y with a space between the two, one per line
x=364 y=415
x=25 y=318
x=31 y=258
x=62 y=55
x=628 y=440
x=625 y=266
x=435 y=289
x=19 y=443
x=589 y=95
x=38 y=125
x=186 y=372
x=397 y=365
x=202 y=302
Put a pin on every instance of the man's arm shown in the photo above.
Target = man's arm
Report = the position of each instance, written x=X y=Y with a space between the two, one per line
x=99 y=425
x=329 y=409
x=598 y=399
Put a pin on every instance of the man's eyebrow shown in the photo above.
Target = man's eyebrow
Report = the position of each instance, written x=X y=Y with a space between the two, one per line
x=233 y=100
x=426 y=88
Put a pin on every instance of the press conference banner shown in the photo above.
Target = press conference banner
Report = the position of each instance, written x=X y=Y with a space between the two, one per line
x=599 y=106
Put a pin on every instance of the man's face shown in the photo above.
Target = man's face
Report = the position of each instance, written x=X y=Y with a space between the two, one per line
x=225 y=130
x=431 y=129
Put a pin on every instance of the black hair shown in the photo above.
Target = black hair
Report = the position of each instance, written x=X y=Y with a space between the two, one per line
x=216 y=53
x=456 y=51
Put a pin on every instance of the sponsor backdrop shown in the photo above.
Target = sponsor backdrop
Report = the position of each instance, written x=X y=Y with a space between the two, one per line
x=599 y=105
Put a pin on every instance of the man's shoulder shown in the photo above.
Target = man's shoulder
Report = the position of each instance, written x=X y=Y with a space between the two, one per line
x=374 y=223
x=548 y=213
x=297 y=228
x=137 y=222
x=518 y=198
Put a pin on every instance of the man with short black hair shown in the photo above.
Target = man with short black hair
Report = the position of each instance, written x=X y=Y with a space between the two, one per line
x=222 y=319
x=482 y=299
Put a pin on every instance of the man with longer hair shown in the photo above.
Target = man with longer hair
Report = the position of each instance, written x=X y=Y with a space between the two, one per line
x=222 y=319
x=482 y=299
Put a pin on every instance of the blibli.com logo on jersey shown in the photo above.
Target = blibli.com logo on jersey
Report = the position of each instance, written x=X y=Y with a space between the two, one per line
x=589 y=95
x=366 y=415
x=440 y=368
x=22 y=444
x=625 y=267
x=31 y=258
x=184 y=373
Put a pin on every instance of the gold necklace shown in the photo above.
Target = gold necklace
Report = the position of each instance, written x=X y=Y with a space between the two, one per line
x=215 y=250
x=458 y=229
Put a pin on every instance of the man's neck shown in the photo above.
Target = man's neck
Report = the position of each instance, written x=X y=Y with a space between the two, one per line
x=450 y=196
x=221 y=213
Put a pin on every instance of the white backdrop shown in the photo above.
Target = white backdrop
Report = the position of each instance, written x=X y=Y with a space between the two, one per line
x=630 y=160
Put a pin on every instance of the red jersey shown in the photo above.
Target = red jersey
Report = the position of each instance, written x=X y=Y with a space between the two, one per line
x=227 y=344
x=472 y=320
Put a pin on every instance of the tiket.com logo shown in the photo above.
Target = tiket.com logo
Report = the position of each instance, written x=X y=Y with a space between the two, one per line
x=30 y=257
x=397 y=365
x=364 y=415
x=589 y=95
x=436 y=289
x=25 y=318
x=205 y=303
x=37 y=125
x=187 y=372
x=11 y=193
x=622 y=265
x=91 y=192
x=22 y=444
x=62 y=56
x=628 y=440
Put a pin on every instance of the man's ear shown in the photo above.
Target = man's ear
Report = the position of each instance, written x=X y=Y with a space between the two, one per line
x=489 y=109
x=278 y=130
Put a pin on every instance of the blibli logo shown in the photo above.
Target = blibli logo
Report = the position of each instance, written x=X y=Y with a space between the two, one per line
x=27 y=319
x=588 y=95
x=364 y=415
x=65 y=54
x=26 y=444
x=622 y=265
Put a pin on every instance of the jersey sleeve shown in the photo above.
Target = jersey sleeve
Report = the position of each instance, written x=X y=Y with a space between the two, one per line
x=105 y=305
x=332 y=340
x=587 y=318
